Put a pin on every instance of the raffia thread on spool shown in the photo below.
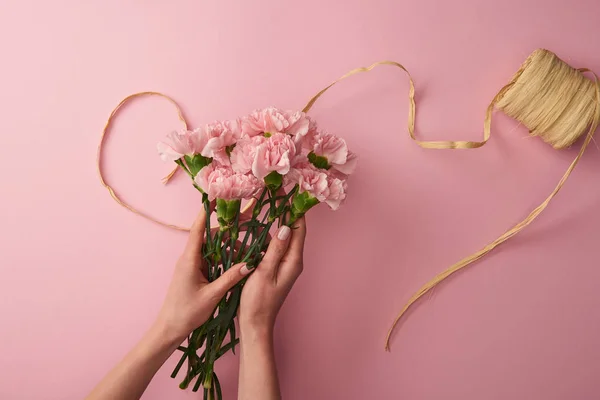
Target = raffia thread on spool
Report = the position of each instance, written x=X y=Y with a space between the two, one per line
x=557 y=103
x=552 y=99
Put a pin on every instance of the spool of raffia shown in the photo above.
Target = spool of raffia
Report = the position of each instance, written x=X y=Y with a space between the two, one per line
x=552 y=99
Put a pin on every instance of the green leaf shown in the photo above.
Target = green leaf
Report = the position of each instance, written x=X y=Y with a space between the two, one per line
x=284 y=203
x=179 y=365
x=196 y=163
x=318 y=161
x=232 y=337
x=198 y=382
x=209 y=253
x=226 y=348
x=184 y=167
x=184 y=383
x=200 y=337
x=226 y=317
x=218 y=387
x=273 y=180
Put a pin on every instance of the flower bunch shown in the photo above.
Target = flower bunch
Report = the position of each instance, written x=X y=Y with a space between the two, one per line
x=282 y=162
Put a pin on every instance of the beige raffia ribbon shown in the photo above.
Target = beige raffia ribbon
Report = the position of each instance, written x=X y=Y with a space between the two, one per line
x=412 y=111
x=469 y=145
x=105 y=131
x=165 y=180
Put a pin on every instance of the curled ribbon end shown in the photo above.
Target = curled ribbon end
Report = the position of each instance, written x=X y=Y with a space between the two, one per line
x=167 y=178
x=387 y=343
x=388 y=337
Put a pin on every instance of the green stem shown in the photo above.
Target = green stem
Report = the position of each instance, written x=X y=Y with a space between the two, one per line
x=217 y=256
x=272 y=205
x=250 y=231
x=187 y=171
x=198 y=382
x=217 y=387
x=184 y=167
x=206 y=205
x=179 y=365
x=215 y=253
x=208 y=364
x=244 y=243
x=256 y=247
x=233 y=233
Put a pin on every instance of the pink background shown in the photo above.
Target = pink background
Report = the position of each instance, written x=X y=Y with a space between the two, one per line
x=81 y=278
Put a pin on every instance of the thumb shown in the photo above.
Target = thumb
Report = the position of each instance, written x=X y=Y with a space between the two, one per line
x=233 y=275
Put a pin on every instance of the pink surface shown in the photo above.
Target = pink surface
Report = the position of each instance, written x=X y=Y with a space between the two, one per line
x=81 y=278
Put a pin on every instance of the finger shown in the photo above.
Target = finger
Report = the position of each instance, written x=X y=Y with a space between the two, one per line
x=218 y=288
x=298 y=238
x=196 y=236
x=276 y=251
x=293 y=261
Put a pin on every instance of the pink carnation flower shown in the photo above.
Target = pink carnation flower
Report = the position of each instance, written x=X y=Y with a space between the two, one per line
x=181 y=143
x=299 y=125
x=348 y=167
x=309 y=179
x=336 y=192
x=221 y=182
x=319 y=184
x=273 y=120
x=243 y=154
x=219 y=136
x=307 y=140
x=275 y=154
x=267 y=120
x=335 y=150
x=331 y=147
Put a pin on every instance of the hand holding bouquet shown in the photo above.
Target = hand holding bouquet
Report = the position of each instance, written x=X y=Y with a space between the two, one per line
x=282 y=165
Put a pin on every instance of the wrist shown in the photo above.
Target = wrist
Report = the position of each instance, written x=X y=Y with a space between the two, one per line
x=163 y=335
x=253 y=331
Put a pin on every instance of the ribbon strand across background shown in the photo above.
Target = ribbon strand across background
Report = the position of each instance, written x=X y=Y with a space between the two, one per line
x=552 y=99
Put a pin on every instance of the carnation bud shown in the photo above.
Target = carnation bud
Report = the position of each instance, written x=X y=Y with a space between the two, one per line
x=301 y=203
x=227 y=210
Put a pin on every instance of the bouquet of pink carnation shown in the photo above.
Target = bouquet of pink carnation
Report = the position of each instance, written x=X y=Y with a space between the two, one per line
x=283 y=165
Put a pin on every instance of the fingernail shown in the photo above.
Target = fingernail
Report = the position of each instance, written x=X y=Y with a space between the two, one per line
x=245 y=270
x=284 y=232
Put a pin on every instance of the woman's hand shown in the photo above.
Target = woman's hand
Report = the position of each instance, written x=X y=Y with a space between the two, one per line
x=266 y=290
x=191 y=299
x=264 y=293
